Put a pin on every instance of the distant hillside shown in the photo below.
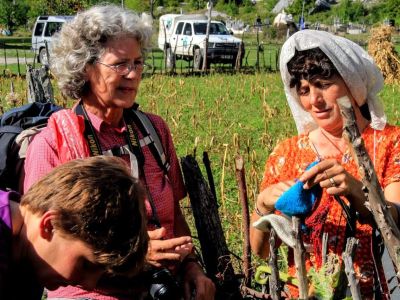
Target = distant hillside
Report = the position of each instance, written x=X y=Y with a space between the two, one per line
x=283 y=4
x=364 y=12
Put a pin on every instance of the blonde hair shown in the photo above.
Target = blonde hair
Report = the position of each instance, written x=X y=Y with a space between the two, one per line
x=99 y=202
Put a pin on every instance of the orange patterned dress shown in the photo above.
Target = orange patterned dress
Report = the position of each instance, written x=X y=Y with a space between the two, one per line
x=289 y=160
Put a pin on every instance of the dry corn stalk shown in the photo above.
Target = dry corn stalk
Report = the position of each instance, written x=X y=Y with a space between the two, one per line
x=381 y=48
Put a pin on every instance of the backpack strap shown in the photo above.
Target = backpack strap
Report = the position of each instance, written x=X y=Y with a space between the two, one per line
x=11 y=129
x=150 y=138
x=7 y=137
x=25 y=137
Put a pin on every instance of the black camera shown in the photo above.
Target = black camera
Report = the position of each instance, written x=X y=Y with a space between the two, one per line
x=163 y=285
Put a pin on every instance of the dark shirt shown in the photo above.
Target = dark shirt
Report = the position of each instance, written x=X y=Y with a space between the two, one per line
x=16 y=279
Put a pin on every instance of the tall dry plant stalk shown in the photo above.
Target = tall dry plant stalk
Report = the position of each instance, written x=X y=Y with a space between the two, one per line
x=13 y=98
x=381 y=48
x=223 y=180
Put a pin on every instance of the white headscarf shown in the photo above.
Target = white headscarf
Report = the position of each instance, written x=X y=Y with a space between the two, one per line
x=355 y=66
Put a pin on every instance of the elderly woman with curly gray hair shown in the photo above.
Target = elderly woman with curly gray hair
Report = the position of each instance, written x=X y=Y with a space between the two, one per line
x=98 y=60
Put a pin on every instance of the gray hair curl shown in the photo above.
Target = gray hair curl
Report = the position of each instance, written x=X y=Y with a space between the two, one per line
x=82 y=41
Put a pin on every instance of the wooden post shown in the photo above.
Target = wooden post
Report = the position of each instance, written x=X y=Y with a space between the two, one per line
x=47 y=64
x=26 y=62
x=258 y=51
x=238 y=63
x=376 y=200
x=18 y=66
x=274 y=282
x=241 y=180
x=39 y=85
x=299 y=259
x=324 y=247
x=153 y=63
x=207 y=165
x=209 y=6
x=215 y=252
x=165 y=48
x=349 y=268
x=5 y=59
x=152 y=8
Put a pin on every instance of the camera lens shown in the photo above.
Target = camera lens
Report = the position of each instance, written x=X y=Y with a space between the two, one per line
x=159 y=291
x=163 y=285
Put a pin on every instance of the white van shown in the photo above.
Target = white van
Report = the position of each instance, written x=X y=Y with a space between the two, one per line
x=45 y=27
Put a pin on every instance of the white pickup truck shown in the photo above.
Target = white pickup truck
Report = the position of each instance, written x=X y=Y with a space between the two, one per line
x=184 y=36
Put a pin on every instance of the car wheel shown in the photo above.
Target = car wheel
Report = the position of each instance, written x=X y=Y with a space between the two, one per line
x=43 y=59
x=197 y=60
x=170 y=59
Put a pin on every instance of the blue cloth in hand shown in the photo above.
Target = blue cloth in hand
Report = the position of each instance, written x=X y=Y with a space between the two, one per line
x=297 y=201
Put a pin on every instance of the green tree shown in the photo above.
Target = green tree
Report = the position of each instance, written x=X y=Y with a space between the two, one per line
x=137 y=5
x=348 y=10
x=37 y=8
x=63 y=7
x=197 y=4
x=229 y=7
x=391 y=10
x=357 y=11
x=296 y=8
x=248 y=6
x=59 y=7
x=270 y=4
x=237 y=2
x=13 y=13
x=172 y=3
x=232 y=9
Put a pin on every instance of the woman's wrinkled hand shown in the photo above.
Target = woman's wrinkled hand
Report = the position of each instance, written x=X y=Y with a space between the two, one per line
x=332 y=176
x=164 y=252
x=267 y=198
x=197 y=283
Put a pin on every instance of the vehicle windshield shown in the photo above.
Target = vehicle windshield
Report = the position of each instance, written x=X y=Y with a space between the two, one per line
x=52 y=28
x=215 y=28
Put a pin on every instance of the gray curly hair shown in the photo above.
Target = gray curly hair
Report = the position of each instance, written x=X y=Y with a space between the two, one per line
x=82 y=41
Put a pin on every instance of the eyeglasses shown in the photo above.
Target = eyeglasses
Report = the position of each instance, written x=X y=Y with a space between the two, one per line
x=124 y=69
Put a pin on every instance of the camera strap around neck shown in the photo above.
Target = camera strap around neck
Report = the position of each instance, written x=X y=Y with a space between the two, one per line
x=132 y=148
x=131 y=137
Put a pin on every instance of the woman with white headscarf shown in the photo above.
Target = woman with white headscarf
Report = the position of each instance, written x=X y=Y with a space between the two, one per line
x=317 y=68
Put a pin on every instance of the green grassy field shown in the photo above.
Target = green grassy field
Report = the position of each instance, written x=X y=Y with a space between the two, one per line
x=224 y=115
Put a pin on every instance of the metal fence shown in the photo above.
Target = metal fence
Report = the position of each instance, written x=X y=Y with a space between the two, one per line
x=14 y=61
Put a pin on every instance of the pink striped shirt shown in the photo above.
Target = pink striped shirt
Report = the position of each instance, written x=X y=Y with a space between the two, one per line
x=165 y=191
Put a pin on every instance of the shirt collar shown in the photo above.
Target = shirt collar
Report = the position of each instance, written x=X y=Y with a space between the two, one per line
x=100 y=125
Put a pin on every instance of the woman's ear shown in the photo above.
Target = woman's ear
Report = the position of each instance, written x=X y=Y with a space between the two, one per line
x=88 y=70
x=364 y=109
x=46 y=228
x=91 y=73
